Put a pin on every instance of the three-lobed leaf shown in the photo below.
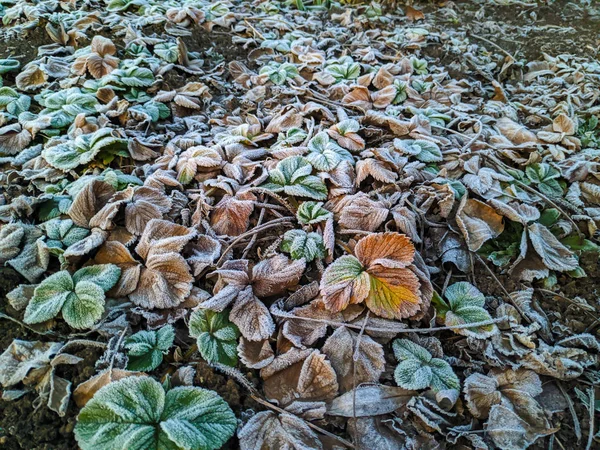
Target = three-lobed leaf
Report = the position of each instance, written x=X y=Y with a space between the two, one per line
x=145 y=349
x=216 y=336
x=80 y=297
x=464 y=306
x=418 y=369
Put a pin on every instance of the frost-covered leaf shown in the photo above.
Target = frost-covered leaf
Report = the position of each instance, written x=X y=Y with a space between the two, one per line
x=23 y=358
x=465 y=305
x=554 y=254
x=369 y=400
x=273 y=276
x=312 y=378
x=216 y=336
x=300 y=244
x=478 y=222
x=418 y=369
x=136 y=412
x=324 y=154
x=80 y=298
x=102 y=146
x=145 y=349
x=353 y=365
x=379 y=275
x=424 y=151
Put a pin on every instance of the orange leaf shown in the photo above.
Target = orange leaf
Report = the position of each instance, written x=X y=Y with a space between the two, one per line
x=414 y=14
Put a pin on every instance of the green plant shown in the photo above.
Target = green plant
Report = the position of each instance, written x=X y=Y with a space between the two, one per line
x=63 y=106
x=293 y=176
x=102 y=145
x=215 y=335
x=464 y=305
x=300 y=244
x=424 y=151
x=310 y=212
x=137 y=413
x=418 y=369
x=79 y=297
x=145 y=349
x=344 y=69
x=325 y=154
x=279 y=73
x=13 y=102
x=545 y=177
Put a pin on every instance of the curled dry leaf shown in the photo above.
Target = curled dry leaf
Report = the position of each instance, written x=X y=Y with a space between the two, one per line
x=478 y=222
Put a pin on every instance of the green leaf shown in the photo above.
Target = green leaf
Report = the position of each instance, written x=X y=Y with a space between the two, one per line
x=104 y=275
x=325 y=154
x=292 y=176
x=135 y=413
x=146 y=348
x=418 y=369
x=310 y=212
x=49 y=298
x=215 y=335
x=424 y=151
x=300 y=244
x=167 y=50
x=345 y=71
x=85 y=306
x=465 y=305
x=545 y=176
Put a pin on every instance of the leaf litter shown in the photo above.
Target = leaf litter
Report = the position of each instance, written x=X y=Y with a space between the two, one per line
x=382 y=225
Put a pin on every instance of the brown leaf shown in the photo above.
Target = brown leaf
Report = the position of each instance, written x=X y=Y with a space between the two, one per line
x=312 y=379
x=164 y=282
x=516 y=133
x=478 y=222
x=413 y=14
x=86 y=390
x=163 y=236
x=231 y=215
x=275 y=275
x=251 y=316
x=113 y=252
x=353 y=366
x=13 y=139
x=268 y=430
x=360 y=212
x=89 y=201
x=255 y=355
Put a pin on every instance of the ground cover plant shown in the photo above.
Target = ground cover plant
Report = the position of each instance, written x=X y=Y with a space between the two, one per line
x=299 y=225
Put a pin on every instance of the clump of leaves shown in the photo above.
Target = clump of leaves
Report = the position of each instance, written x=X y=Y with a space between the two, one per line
x=380 y=274
x=79 y=297
x=102 y=145
x=418 y=369
x=464 y=305
x=310 y=213
x=293 y=176
x=136 y=412
x=300 y=244
x=216 y=336
x=279 y=73
x=145 y=349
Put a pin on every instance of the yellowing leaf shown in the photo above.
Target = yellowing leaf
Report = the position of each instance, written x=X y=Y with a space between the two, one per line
x=379 y=274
